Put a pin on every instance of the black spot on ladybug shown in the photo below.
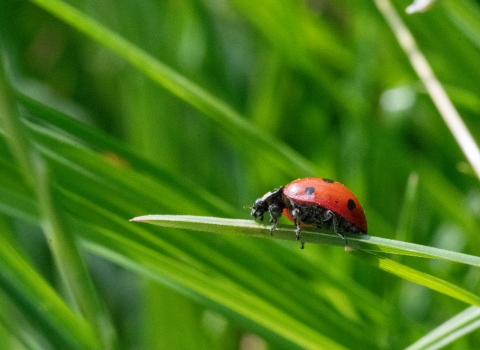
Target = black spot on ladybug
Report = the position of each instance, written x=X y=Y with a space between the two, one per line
x=309 y=190
x=351 y=204
x=328 y=180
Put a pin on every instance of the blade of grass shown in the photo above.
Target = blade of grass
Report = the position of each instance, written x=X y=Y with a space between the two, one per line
x=69 y=261
x=16 y=139
x=254 y=229
x=408 y=211
x=434 y=87
x=415 y=276
x=458 y=326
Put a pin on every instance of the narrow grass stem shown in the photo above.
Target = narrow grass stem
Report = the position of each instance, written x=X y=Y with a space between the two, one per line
x=434 y=87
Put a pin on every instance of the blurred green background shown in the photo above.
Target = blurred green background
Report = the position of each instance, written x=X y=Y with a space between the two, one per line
x=321 y=88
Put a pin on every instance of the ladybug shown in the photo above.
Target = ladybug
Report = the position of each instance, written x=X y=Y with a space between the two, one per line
x=323 y=203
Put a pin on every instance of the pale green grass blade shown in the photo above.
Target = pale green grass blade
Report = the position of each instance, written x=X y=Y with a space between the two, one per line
x=254 y=229
x=417 y=277
x=458 y=326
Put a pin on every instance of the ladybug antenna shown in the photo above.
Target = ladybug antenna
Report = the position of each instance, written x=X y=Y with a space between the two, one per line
x=247 y=207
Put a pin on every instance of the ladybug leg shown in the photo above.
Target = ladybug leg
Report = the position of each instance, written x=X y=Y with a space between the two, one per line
x=326 y=219
x=337 y=227
x=275 y=213
x=296 y=217
x=274 y=225
x=297 y=232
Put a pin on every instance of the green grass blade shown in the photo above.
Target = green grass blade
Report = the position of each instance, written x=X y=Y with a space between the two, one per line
x=17 y=139
x=408 y=209
x=417 y=277
x=69 y=262
x=283 y=232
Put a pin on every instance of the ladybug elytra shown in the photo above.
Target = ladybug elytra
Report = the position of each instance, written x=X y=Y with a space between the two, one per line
x=316 y=202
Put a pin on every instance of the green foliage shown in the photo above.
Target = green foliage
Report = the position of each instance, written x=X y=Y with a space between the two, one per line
x=192 y=110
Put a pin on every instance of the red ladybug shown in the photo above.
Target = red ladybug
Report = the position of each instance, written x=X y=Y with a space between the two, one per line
x=314 y=202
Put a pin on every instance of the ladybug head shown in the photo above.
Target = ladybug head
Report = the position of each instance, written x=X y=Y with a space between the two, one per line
x=269 y=201
x=259 y=207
